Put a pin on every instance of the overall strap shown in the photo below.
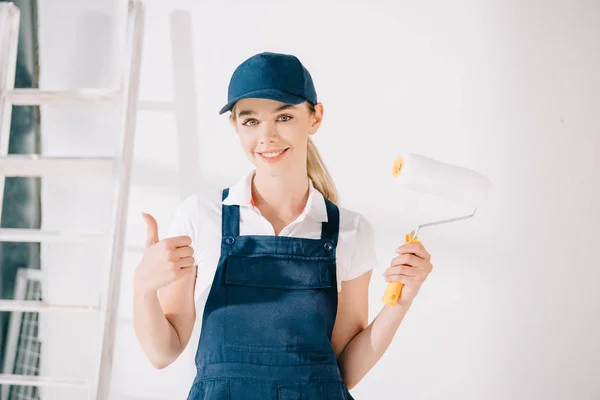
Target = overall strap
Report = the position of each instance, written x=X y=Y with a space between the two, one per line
x=331 y=228
x=230 y=219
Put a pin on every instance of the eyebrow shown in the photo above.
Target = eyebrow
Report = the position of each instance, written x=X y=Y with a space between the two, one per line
x=251 y=112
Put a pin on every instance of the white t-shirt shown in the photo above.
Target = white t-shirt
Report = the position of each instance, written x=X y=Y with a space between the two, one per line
x=199 y=216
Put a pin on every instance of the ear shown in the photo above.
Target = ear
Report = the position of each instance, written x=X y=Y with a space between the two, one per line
x=316 y=118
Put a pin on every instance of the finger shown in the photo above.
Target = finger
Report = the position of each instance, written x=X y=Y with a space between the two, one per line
x=406 y=259
x=407 y=280
x=183 y=272
x=182 y=252
x=179 y=241
x=185 y=262
x=405 y=270
x=414 y=248
x=151 y=229
x=428 y=267
x=413 y=261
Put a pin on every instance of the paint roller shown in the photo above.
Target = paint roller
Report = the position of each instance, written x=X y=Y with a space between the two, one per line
x=451 y=182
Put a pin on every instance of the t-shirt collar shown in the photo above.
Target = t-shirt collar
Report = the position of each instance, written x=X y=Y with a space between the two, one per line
x=241 y=194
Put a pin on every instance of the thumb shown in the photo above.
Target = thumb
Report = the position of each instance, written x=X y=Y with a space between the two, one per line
x=151 y=229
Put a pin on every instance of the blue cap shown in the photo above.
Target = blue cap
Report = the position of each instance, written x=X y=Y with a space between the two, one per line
x=274 y=76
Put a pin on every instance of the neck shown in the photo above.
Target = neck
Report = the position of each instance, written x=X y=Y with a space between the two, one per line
x=282 y=195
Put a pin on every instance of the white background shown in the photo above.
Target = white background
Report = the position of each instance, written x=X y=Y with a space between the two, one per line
x=508 y=88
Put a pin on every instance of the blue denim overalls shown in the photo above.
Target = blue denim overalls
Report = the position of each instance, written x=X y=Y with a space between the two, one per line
x=267 y=323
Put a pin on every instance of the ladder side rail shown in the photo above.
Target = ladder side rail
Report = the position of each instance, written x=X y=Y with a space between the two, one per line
x=9 y=36
x=111 y=283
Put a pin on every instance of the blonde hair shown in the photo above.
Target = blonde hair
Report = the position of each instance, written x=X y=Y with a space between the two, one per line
x=319 y=175
x=317 y=172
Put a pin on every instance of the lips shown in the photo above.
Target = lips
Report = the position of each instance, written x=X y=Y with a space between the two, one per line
x=272 y=155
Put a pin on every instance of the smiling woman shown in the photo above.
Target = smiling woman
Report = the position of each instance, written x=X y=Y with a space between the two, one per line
x=292 y=116
x=288 y=268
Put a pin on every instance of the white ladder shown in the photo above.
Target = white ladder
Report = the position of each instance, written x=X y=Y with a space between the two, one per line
x=120 y=166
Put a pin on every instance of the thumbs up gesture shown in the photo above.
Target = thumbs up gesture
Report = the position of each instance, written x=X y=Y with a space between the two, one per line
x=164 y=261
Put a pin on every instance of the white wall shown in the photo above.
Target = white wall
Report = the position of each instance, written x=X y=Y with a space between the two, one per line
x=510 y=89
x=78 y=48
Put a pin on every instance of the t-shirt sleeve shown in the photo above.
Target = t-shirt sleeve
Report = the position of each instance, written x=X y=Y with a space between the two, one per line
x=184 y=222
x=184 y=218
x=364 y=256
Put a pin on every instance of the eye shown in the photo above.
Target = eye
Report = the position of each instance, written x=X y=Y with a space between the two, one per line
x=285 y=117
x=249 y=120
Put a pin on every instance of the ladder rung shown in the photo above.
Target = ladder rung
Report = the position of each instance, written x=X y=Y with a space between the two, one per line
x=44 y=236
x=41 y=306
x=32 y=97
x=30 y=165
x=30 y=380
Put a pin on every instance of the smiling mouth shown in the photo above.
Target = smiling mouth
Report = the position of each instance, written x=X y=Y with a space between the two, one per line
x=273 y=154
x=272 y=157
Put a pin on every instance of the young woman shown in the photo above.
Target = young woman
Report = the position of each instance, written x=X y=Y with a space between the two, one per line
x=286 y=271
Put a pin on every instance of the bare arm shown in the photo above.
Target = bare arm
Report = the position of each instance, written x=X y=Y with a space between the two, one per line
x=163 y=303
x=363 y=345
x=163 y=320
x=359 y=347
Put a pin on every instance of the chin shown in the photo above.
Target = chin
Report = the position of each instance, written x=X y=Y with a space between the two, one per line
x=273 y=170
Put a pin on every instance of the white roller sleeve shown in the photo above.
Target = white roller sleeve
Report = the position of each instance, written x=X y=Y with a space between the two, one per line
x=455 y=183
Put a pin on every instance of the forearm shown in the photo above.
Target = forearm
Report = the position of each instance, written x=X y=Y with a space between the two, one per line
x=157 y=336
x=366 y=348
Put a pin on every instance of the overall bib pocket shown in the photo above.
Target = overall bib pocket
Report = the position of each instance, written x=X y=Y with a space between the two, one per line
x=277 y=303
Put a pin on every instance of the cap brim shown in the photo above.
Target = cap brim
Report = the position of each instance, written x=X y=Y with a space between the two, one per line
x=271 y=94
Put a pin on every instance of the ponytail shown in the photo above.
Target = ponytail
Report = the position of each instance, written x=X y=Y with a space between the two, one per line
x=319 y=175
x=317 y=172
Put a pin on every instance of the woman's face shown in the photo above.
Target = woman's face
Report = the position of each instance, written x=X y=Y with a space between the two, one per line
x=274 y=135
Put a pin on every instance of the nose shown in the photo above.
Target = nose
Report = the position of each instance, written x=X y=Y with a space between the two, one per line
x=268 y=132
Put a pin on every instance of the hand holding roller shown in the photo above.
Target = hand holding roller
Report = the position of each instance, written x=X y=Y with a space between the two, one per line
x=394 y=289
x=451 y=182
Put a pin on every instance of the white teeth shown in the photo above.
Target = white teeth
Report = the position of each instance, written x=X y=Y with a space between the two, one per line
x=271 y=155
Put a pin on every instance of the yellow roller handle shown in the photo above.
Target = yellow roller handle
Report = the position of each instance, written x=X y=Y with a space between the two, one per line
x=394 y=289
